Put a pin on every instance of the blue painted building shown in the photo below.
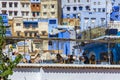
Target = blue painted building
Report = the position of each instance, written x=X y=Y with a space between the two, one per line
x=62 y=46
x=55 y=32
x=115 y=14
x=5 y=23
x=52 y=23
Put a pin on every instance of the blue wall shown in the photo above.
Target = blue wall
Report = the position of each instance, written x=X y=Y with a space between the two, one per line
x=52 y=23
x=5 y=23
x=115 y=14
x=96 y=48
x=63 y=45
x=5 y=19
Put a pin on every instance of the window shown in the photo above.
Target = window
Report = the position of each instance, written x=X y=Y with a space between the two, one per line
x=68 y=16
x=98 y=3
x=68 y=8
x=22 y=13
x=43 y=32
x=27 y=13
x=74 y=1
x=74 y=8
x=74 y=15
x=25 y=33
x=68 y=1
x=37 y=45
x=80 y=8
x=33 y=14
x=86 y=19
x=52 y=22
x=87 y=7
x=27 y=5
x=15 y=13
x=4 y=11
x=44 y=6
x=10 y=4
x=18 y=24
x=37 y=5
x=44 y=13
x=33 y=5
x=35 y=34
x=4 y=4
x=94 y=9
x=15 y=4
x=50 y=43
x=99 y=9
x=30 y=34
x=23 y=5
x=38 y=13
x=102 y=20
x=93 y=20
x=52 y=13
x=10 y=13
x=52 y=6
x=78 y=0
x=87 y=0
x=94 y=3
x=118 y=4
x=18 y=33
x=103 y=10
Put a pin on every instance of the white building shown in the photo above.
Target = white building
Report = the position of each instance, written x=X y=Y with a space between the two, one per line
x=25 y=7
x=10 y=7
x=15 y=8
x=115 y=2
x=87 y=11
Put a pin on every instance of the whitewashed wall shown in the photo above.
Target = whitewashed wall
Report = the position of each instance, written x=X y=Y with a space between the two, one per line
x=47 y=73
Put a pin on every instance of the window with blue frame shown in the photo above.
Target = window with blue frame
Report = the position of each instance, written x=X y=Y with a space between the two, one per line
x=4 y=17
x=80 y=8
x=74 y=8
x=74 y=15
x=87 y=7
x=116 y=16
x=68 y=8
x=55 y=35
x=52 y=21
x=30 y=24
x=68 y=15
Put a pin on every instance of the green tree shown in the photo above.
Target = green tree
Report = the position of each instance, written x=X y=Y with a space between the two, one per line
x=6 y=65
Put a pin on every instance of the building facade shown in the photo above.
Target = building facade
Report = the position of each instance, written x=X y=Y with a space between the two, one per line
x=50 y=9
x=83 y=9
x=10 y=7
x=35 y=8
x=62 y=32
x=25 y=7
